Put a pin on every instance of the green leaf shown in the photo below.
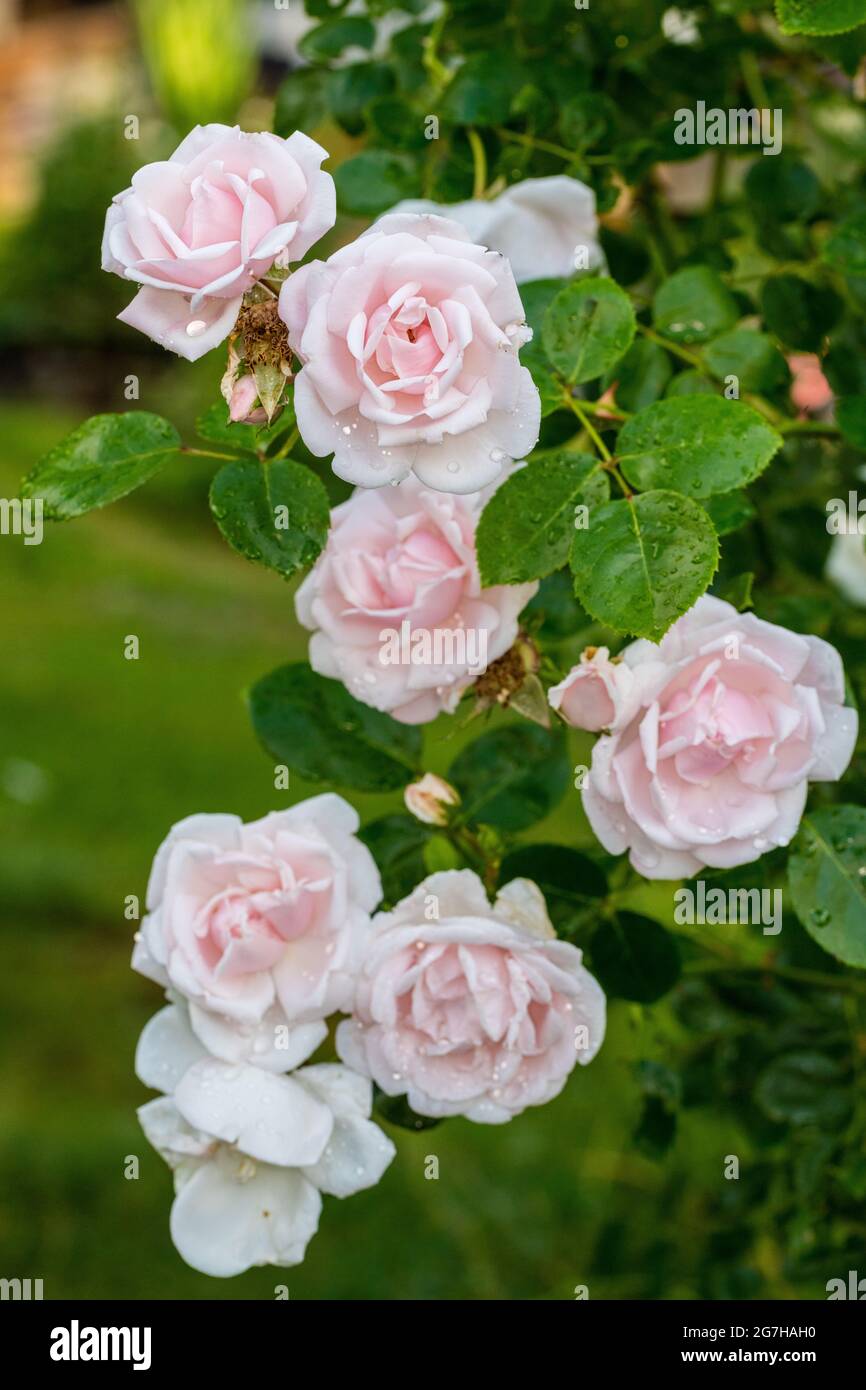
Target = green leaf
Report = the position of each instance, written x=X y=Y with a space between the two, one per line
x=328 y=40
x=483 y=89
x=804 y=1088
x=587 y=328
x=690 y=383
x=851 y=418
x=845 y=248
x=783 y=189
x=315 y=727
x=536 y=296
x=440 y=854
x=511 y=777
x=634 y=958
x=696 y=444
x=694 y=305
x=752 y=358
x=571 y=882
x=301 y=102
x=798 y=313
x=526 y=528
x=820 y=16
x=397 y=845
x=374 y=180
x=350 y=90
x=828 y=883
x=104 y=459
x=738 y=591
x=274 y=513
x=643 y=562
x=729 y=511
x=641 y=376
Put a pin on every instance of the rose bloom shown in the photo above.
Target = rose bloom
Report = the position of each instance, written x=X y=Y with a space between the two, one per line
x=717 y=732
x=406 y=556
x=258 y=926
x=409 y=340
x=480 y=1012
x=538 y=224
x=252 y=1152
x=197 y=230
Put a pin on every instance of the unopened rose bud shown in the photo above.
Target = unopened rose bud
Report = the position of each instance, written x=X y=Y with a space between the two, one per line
x=243 y=397
x=428 y=799
x=595 y=693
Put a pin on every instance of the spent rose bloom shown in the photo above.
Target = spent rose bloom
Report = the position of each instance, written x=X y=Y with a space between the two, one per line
x=593 y=692
x=251 y=1151
x=409 y=340
x=396 y=605
x=196 y=230
x=480 y=1012
x=711 y=752
x=538 y=224
x=258 y=926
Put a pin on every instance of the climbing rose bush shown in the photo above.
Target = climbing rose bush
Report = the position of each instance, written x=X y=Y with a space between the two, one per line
x=609 y=490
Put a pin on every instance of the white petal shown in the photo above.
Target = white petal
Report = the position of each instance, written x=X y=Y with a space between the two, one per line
x=273 y=1044
x=166 y=1049
x=176 y=1141
x=222 y=1225
x=355 y=1157
x=266 y=1116
x=522 y=904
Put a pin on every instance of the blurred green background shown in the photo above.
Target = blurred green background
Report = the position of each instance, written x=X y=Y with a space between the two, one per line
x=100 y=755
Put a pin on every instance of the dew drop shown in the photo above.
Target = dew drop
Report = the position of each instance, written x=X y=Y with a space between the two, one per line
x=195 y=328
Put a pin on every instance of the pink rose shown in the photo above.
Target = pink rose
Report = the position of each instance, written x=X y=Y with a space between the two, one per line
x=258 y=926
x=396 y=605
x=479 y=1012
x=409 y=338
x=197 y=230
x=593 y=692
x=728 y=721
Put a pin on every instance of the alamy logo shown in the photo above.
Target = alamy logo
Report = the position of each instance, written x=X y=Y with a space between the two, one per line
x=76 y=1343
x=20 y=1289
x=738 y=126
x=855 y=1287
x=22 y=518
x=456 y=647
x=715 y=907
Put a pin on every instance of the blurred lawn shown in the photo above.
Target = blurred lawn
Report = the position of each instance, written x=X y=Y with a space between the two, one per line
x=98 y=756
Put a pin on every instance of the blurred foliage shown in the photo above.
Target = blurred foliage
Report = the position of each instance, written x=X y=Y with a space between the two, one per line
x=200 y=57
